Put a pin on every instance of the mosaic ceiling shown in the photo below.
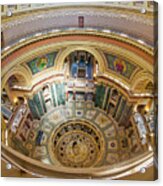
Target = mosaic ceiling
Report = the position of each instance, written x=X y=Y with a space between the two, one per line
x=94 y=141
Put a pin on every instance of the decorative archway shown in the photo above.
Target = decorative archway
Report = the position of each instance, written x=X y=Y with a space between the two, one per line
x=64 y=53
x=19 y=70
x=141 y=79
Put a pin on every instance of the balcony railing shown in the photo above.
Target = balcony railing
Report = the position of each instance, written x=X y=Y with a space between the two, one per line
x=40 y=169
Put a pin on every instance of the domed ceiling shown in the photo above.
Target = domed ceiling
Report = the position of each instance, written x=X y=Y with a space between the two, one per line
x=78 y=90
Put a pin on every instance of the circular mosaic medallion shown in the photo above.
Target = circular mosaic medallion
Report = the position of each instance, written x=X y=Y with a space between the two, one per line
x=78 y=145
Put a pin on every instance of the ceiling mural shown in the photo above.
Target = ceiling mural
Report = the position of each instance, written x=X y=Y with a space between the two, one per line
x=79 y=96
x=40 y=63
x=120 y=66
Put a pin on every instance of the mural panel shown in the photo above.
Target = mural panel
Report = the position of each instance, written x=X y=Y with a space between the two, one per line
x=120 y=66
x=40 y=63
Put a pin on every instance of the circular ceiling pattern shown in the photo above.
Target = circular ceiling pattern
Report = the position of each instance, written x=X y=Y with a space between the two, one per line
x=78 y=144
x=84 y=99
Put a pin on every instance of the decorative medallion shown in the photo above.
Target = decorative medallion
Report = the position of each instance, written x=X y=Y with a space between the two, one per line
x=78 y=145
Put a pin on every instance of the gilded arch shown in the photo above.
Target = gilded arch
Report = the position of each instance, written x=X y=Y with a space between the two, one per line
x=20 y=70
x=63 y=54
x=141 y=79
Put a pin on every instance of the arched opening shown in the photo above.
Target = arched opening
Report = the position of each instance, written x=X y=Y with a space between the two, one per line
x=115 y=94
x=21 y=100
x=12 y=83
x=149 y=87
x=81 y=64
